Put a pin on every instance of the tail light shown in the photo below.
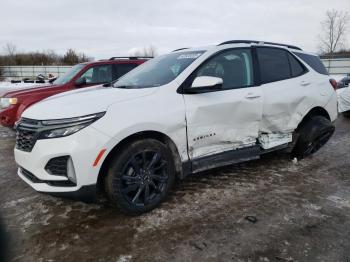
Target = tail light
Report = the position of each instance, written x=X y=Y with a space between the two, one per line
x=333 y=83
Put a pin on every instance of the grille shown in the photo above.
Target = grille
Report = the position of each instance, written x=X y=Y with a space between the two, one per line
x=57 y=166
x=27 y=130
x=25 y=140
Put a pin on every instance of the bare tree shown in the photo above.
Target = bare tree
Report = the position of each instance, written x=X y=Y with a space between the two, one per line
x=333 y=31
x=10 y=50
x=149 y=51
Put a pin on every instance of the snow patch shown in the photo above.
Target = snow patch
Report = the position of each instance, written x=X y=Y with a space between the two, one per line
x=340 y=202
x=124 y=258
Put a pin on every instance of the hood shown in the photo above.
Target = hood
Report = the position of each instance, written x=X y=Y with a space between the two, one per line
x=15 y=91
x=82 y=102
x=10 y=89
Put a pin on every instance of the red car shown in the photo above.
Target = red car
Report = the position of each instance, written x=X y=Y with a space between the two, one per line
x=12 y=104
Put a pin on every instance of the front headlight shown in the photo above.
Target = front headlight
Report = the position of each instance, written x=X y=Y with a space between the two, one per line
x=68 y=126
x=5 y=102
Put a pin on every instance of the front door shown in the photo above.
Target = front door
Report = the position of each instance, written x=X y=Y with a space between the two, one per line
x=227 y=119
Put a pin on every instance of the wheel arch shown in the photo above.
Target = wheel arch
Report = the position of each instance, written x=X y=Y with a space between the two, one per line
x=316 y=111
x=139 y=136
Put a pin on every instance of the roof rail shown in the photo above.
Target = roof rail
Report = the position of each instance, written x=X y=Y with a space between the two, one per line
x=258 y=42
x=180 y=49
x=130 y=57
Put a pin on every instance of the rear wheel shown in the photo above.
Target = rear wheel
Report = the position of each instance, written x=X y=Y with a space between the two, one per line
x=346 y=114
x=312 y=136
x=140 y=176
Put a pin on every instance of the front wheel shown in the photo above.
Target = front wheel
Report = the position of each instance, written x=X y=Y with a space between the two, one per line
x=140 y=176
x=312 y=136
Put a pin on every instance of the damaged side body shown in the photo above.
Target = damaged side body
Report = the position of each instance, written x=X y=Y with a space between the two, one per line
x=250 y=120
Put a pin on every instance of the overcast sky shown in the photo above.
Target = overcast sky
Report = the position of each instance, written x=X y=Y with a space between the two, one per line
x=104 y=28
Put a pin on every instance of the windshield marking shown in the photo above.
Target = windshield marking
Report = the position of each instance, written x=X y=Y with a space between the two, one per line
x=190 y=56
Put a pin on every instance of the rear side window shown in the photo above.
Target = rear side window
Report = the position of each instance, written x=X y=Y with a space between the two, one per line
x=122 y=69
x=296 y=67
x=314 y=62
x=274 y=64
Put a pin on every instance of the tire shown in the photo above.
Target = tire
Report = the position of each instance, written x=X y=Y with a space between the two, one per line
x=313 y=134
x=346 y=114
x=140 y=176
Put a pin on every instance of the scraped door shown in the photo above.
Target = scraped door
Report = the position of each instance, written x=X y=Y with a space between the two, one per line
x=227 y=119
x=287 y=90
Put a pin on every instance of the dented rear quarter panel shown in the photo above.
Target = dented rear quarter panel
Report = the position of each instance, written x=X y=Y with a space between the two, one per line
x=287 y=102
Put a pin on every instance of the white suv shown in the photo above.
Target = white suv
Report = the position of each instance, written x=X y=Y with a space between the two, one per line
x=180 y=113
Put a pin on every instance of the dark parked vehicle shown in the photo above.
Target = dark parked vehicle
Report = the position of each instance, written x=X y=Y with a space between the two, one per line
x=344 y=82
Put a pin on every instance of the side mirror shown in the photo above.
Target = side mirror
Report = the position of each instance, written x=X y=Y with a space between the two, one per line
x=80 y=82
x=205 y=84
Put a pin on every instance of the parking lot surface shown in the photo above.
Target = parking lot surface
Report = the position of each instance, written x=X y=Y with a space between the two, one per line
x=272 y=209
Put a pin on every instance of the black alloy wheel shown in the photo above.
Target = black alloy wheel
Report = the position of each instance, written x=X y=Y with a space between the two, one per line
x=140 y=176
x=144 y=178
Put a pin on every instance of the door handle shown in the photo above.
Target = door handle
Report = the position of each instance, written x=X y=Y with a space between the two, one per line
x=304 y=83
x=252 y=96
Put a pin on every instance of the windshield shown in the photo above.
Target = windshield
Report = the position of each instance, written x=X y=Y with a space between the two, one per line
x=69 y=75
x=158 y=71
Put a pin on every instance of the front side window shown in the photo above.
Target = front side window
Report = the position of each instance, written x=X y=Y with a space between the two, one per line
x=69 y=75
x=273 y=64
x=233 y=66
x=158 y=71
x=98 y=74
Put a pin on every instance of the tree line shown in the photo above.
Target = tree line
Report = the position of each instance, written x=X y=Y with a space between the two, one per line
x=12 y=57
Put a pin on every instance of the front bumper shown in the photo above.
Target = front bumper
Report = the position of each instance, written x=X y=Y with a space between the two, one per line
x=8 y=116
x=85 y=193
x=81 y=147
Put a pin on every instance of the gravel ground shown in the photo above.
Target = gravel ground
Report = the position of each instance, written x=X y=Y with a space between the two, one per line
x=299 y=212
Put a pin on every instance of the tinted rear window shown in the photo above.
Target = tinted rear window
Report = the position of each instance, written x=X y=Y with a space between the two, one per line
x=314 y=62
x=274 y=64
x=122 y=69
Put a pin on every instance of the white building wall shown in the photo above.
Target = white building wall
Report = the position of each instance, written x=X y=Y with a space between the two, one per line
x=337 y=66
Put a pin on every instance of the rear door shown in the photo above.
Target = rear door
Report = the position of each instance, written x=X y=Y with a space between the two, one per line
x=228 y=119
x=285 y=86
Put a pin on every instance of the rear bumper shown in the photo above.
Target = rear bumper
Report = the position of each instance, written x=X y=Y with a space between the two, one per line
x=332 y=107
